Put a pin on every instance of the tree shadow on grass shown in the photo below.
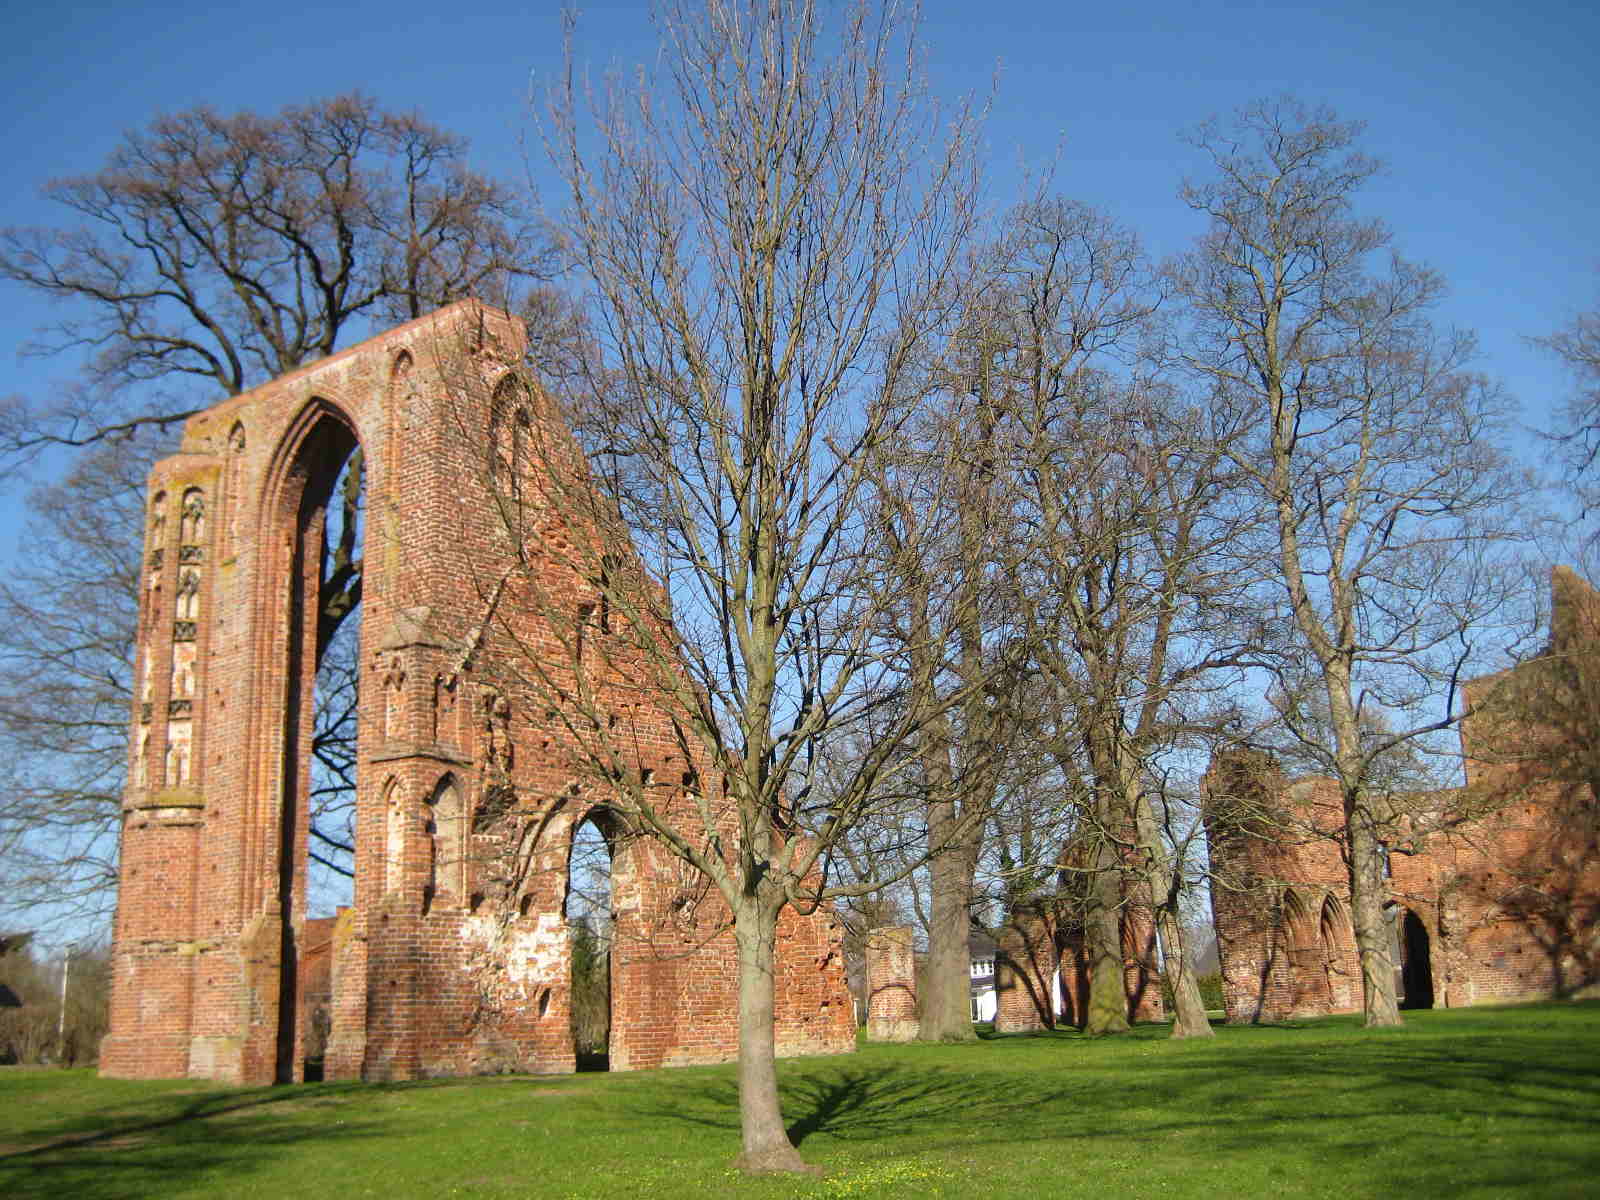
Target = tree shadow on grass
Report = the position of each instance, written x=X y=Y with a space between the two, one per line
x=161 y=1143
x=1405 y=1112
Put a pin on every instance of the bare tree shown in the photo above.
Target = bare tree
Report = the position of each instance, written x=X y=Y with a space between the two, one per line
x=1078 y=289
x=53 y=1011
x=1122 y=575
x=68 y=613
x=1136 y=599
x=222 y=251
x=213 y=253
x=1576 y=427
x=769 y=228
x=1373 y=449
x=940 y=521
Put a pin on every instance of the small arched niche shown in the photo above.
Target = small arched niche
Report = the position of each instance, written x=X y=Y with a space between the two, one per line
x=445 y=825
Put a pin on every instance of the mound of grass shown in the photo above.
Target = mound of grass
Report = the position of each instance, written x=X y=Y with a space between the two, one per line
x=1474 y=1103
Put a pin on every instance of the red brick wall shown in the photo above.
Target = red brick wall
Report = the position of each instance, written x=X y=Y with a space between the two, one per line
x=1027 y=959
x=454 y=956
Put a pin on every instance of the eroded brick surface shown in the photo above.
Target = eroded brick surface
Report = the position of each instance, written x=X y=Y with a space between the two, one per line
x=891 y=985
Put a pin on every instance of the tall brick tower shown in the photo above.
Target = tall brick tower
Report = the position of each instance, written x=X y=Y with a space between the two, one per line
x=454 y=956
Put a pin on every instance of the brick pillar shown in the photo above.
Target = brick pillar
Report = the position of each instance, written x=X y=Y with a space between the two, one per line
x=891 y=985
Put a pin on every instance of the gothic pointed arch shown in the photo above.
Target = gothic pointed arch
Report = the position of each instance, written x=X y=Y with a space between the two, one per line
x=452 y=954
x=291 y=609
x=445 y=826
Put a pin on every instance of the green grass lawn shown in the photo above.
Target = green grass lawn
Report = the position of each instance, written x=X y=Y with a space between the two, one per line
x=1476 y=1103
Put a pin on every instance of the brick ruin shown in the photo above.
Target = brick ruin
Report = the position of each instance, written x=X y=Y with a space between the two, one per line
x=1494 y=887
x=454 y=956
x=891 y=984
x=1041 y=972
x=1042 y=966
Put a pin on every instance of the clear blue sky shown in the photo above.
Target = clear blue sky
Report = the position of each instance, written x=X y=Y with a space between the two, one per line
x=1485 y=116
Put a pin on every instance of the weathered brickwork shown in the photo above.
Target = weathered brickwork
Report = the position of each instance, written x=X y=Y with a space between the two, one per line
x=891 y=985
x=1494 y=887
x=1042 y=969
x=453 y=958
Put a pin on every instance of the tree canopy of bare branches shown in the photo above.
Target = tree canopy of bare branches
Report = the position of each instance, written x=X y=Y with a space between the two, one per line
x=1128 y=585
x=1577 y=422
x=221 y=251
x=1374 y=447
x=68 y=616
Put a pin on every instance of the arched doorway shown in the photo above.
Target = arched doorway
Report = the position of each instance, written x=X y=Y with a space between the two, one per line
x=591 y=867
x=314 y=524
x=1416 y=964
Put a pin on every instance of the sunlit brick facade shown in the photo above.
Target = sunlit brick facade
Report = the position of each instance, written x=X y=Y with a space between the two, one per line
x=453 y=958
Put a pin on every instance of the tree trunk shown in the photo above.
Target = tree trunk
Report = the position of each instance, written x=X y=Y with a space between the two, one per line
x=765 y=1140
x=1366 y=914
x=946 y=999
x=1365 y=846
x=1102 y=942
x=947 y=979
x=1189 y=1018
x=966 y=788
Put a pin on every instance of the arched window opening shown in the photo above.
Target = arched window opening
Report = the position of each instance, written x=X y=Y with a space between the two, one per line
x=233 y=488
x=588 y=908
x=156 y=549
x=1331 y=930
x=610 y=569
x=192 y=519
x=1334 y=931
x=503 y=429
x=445 y=720
x=394 y=839
x=403 y=389
x=158 y=526
x=336 y=697
x=1308 y=980
x=312 y=534
x=510 y=452
x=1295 y=914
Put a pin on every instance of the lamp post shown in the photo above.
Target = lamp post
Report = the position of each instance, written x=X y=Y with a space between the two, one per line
x=61 y=1021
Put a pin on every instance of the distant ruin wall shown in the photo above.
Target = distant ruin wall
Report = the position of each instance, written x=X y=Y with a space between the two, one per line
x=1494 y=888
x=891 y=985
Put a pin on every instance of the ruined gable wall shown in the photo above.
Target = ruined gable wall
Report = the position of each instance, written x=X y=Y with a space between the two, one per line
x=454 y=956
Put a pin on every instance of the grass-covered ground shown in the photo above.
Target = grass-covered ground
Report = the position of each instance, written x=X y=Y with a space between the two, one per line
x=1474 y=1103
